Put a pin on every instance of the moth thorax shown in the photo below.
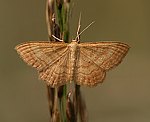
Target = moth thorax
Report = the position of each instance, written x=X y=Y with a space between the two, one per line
x=73 y=49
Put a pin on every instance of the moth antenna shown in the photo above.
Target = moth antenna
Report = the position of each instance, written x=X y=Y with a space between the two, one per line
x=84 y=29
x=79 y=26
x=57 y=38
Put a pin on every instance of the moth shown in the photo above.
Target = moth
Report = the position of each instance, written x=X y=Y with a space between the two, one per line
x=82 y=63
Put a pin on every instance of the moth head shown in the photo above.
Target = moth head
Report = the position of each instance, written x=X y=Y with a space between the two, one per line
x=74 y=40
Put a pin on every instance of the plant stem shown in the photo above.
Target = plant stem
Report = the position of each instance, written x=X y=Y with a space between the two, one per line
x=63 y=20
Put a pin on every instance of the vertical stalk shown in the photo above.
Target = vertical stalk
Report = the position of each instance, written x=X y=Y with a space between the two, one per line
x=53 y=29
x=50 y=91
x=62 y=8
x=50 y=12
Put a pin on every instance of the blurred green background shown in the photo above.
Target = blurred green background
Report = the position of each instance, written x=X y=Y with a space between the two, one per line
x=125 y=94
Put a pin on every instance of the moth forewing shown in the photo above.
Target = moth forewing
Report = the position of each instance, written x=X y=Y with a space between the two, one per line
x=96 y=58
x=50 y=59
